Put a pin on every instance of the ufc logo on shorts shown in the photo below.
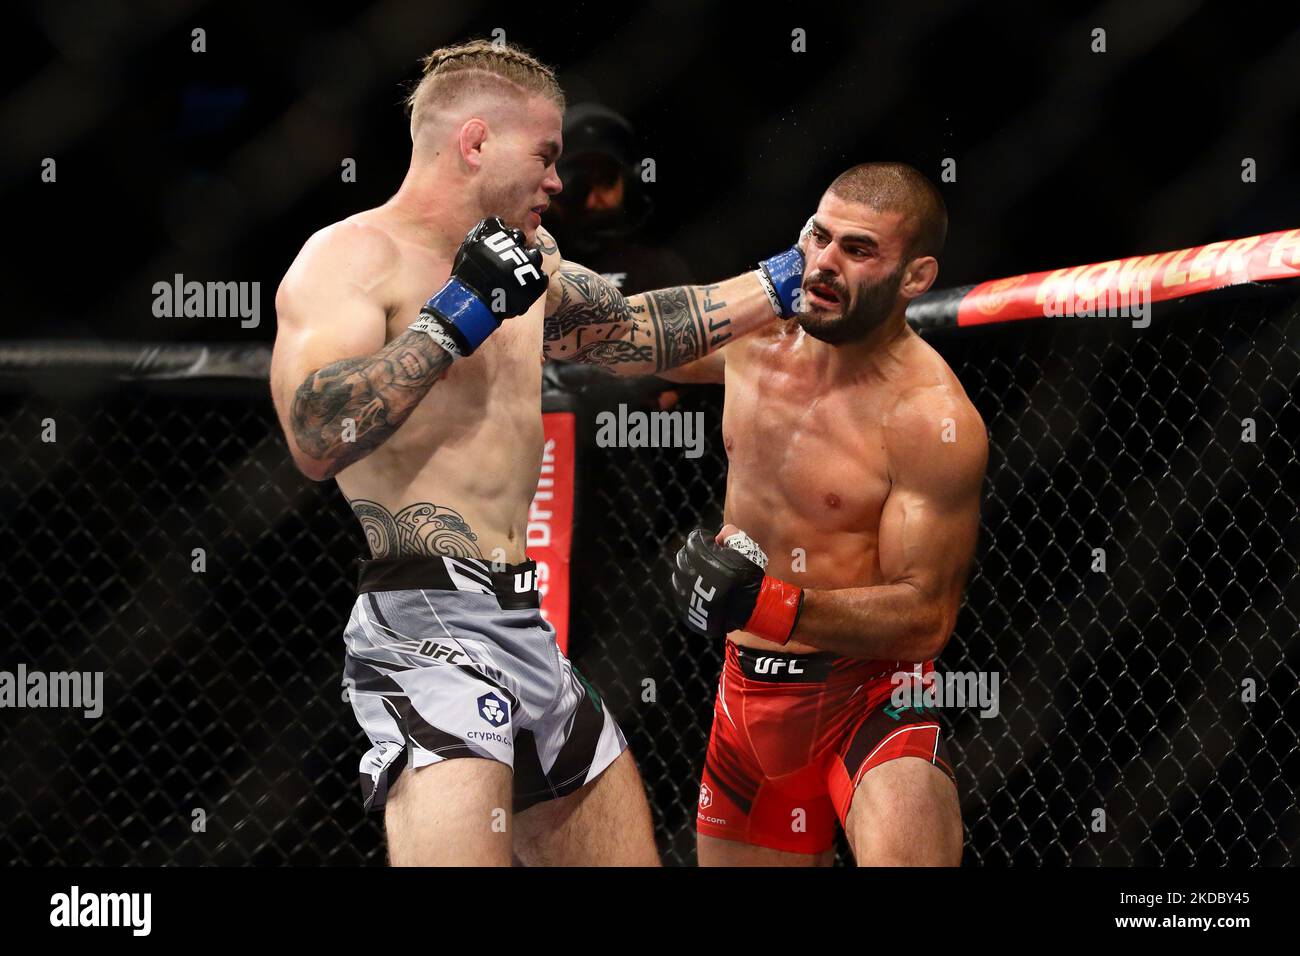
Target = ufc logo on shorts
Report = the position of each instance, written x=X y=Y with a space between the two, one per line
x=774 y=665
x=440 y=653
x=698 y=612
x=524 y=581
x=505 y=248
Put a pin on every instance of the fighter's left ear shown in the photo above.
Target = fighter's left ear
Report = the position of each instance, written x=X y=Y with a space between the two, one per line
x=918 y=276
x=473 y=133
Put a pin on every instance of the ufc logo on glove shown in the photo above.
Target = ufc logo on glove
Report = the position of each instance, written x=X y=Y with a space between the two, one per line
x=729 y=579
x=698 y=612
x=504 y=246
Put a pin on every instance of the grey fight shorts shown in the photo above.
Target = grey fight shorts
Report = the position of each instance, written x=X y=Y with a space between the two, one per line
x=446 y=658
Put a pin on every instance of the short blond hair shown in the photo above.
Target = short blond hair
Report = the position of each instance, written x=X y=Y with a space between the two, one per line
x=452 y=73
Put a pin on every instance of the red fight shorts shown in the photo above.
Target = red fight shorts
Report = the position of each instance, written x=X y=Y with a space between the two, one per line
x=793 y=734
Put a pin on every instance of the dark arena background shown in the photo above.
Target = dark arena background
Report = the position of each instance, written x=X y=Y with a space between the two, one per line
x=1148 y=711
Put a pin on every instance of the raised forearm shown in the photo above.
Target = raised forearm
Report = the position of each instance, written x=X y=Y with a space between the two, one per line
x=689 y=322
x=594 y=324
x=344 y=411
x=887 y=622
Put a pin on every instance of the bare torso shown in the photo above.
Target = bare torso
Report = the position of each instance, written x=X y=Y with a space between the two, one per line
x=458 y=476
x=808 y=470
x=439 y=456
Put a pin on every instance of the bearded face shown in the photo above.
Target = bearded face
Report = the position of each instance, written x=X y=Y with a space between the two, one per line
x=838 y=313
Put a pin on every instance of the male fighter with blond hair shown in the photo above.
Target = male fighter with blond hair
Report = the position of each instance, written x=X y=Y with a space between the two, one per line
x=427 y=412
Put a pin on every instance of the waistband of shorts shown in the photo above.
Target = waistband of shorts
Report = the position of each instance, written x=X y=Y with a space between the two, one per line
x=514 y=585
x=817 y=667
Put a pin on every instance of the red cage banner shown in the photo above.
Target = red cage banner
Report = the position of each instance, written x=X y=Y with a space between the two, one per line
x=550 y=521
x=1099 y=287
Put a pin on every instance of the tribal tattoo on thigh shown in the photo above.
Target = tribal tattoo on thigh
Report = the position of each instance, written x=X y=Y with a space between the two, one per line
x=422 y=528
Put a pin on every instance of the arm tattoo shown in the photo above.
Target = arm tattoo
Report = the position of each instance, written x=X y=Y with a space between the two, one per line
x=587 y=299
x=546 y=244
x=595 y=324
x=422 y=528
x=347 y=409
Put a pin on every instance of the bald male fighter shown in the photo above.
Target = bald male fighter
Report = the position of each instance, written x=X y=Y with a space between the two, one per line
x=855 y=462
x=428 y=415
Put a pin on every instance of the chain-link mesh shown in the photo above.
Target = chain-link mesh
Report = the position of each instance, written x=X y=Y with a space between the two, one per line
x=1126 y=692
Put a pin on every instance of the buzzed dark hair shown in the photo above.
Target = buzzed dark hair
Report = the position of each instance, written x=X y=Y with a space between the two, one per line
x=897 y=187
